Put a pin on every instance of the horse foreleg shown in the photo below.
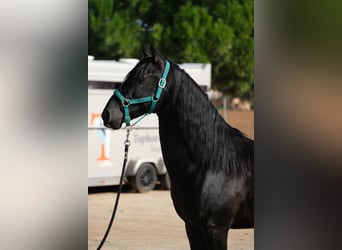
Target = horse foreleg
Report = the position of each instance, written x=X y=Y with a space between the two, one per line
x=207 y=238
x=215 y=238
x=195 y=237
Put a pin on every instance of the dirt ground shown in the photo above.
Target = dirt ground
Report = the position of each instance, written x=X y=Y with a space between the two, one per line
x=145 y=221
x=149 y=220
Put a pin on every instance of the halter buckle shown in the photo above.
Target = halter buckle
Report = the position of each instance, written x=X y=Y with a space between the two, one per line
x=162 y=83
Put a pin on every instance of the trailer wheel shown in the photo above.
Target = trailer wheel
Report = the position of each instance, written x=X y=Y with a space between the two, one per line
x=165 y=181
x=145 y=178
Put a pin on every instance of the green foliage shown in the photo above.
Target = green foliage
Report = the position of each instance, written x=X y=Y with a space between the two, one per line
x=219 y=32
x=111 y=33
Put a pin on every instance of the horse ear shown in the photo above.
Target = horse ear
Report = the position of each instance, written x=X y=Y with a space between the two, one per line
x=145 y=52
x=157 y=57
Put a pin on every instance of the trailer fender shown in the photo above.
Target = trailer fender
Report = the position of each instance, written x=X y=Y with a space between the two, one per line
x=160 y=166
x=133 y=166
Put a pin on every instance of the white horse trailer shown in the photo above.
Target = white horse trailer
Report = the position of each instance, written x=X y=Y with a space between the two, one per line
x=145 y=164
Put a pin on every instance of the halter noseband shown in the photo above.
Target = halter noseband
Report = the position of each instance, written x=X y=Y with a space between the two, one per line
x=153 y=99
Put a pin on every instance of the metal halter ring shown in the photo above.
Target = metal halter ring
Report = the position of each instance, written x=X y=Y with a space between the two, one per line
x=155 y=98
x=125 y=102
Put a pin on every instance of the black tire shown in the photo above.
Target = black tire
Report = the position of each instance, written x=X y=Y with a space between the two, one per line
x=145 y=178
x=165 y=181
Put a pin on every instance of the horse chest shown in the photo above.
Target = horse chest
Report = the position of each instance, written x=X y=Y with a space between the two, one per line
x=186 y=178
x=186 y=199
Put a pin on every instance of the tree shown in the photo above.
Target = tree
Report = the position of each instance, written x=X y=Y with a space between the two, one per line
x=112 y=33
x=219 y=32
x=236 y=74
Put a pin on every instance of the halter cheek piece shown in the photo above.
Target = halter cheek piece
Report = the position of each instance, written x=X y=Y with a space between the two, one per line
x=125 y=102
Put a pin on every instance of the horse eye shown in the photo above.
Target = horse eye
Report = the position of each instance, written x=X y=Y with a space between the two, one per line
x=149 y=78
x=144 y=79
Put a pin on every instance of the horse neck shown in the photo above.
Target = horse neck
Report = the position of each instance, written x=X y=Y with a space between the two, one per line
x=191 y=115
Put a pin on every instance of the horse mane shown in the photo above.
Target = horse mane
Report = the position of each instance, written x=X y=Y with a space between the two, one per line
x=205 y=131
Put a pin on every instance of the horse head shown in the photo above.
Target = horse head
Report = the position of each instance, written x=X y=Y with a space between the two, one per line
x=138 y=94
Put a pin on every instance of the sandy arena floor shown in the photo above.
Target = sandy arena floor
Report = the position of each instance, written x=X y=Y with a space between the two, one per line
x=145 y=221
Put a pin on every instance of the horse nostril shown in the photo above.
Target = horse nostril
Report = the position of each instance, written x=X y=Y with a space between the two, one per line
x=105 y=116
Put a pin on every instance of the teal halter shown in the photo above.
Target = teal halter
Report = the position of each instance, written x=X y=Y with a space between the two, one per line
x=153 y=99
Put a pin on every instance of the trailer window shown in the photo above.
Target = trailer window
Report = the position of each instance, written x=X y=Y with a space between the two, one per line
x=103 y=85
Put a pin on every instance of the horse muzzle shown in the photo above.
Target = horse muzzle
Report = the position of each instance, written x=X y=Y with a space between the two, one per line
x=112 y=119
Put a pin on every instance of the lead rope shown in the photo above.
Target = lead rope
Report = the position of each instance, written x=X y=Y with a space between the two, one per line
x=127 y=144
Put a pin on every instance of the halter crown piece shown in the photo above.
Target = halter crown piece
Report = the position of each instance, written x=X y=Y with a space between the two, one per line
x=153 y=99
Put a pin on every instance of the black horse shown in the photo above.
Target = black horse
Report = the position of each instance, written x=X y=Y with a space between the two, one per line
x=210 y=163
